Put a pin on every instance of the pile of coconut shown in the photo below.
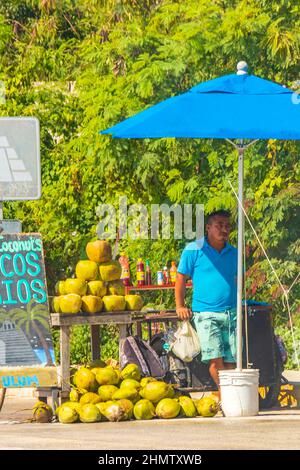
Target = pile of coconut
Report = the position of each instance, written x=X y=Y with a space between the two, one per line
x=96 y=285
x=108 y=394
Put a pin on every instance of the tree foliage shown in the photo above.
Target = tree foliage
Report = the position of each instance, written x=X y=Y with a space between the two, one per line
x=83 y=65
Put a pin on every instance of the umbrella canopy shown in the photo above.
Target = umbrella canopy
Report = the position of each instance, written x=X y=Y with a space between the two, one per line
x=237 y=106
x=233 y=106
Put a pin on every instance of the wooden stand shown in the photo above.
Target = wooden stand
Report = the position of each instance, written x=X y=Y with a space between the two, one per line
x=64 y=322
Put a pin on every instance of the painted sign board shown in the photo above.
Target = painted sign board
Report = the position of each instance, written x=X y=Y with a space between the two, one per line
x=20 y=170
x=26 y=349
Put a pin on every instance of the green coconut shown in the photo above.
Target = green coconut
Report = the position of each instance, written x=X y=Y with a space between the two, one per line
x=91 y=304
x=131 y=371
x=98 y=288
x=70 y=303
x=85 y=379
x=107 y=376
x=207 y=407
x=89 y=397
x=89 y=413
x=167 y=408
x=127 y=392
x=144 y=409
x=114 y=412
x=110 y=271
x=187 y=406
x=75 y=286
x=131 y=383
x=116 y=288
x=114 y=303
x=127 y=405
x=96 y=363
x=155 y=391
x=106 y=392
x=134 y=302
x=67 y=415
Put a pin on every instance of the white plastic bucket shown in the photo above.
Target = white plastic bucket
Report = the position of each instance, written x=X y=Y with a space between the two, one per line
x=239 y=392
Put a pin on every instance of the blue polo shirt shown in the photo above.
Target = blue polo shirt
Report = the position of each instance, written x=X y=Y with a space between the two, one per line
x=214 y=275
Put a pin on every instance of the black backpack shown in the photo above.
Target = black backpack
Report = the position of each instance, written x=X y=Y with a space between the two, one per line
x=134 y=350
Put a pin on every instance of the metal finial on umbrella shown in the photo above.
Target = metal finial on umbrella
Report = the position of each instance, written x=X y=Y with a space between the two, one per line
x=242 y=68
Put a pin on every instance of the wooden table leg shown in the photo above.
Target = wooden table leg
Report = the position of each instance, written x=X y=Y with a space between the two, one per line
x=95 y=342
x=65 y=359
x=139 y=331
x=122 y=337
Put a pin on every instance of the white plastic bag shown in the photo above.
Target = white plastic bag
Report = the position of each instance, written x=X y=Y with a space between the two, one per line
x=186 y=345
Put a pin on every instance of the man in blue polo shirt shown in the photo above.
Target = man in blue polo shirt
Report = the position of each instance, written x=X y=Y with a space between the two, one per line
x=211 y=262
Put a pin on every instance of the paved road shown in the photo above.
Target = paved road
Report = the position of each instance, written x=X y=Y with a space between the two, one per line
x=278 y=429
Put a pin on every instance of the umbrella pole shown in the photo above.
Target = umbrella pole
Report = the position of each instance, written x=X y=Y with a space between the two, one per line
x=241 y=147
x=239 y=334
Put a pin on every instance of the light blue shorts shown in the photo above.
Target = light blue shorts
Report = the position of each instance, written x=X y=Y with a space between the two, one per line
x=217 y=334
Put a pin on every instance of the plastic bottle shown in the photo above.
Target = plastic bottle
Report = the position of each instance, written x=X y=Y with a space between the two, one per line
x=125 y=274
x=148 y=273
x=173 y=272
x=166 y=275
x=140 y=273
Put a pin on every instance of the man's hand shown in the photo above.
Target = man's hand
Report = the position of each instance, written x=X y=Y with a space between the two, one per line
x=184 y=313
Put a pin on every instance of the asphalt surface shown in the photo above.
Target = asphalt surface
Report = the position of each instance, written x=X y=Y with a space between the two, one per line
x=276 y=429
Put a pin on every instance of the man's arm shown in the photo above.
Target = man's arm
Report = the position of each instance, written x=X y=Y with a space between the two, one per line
x=182 y=311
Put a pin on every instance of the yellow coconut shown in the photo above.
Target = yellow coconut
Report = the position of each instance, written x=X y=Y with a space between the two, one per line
x=155 y=391
x=70 y=303
x=207 y=407
x=116 y=288
x=85 y=379
x=89 y=413
x=113 y=303
x=107 y=376
x=146 y=380
x=67 y=415
x=144 y=409
x=99 y=251
x=106 y=392
x=89 y=397
x=91 y=304
x=131 y=383
x=131 y=371
x=113 y=411
x=167 y=408
x=187 y=406
x=128 y=392
x=60 y=288
x=74 y=395
x=127 y=405
x=56 y=304
x=75 y=286
x=98 y=288
x=87 y=270
x=110 y=271
x=133 y=302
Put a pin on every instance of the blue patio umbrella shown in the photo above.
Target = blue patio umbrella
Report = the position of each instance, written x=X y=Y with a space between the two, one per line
x=237 y=106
